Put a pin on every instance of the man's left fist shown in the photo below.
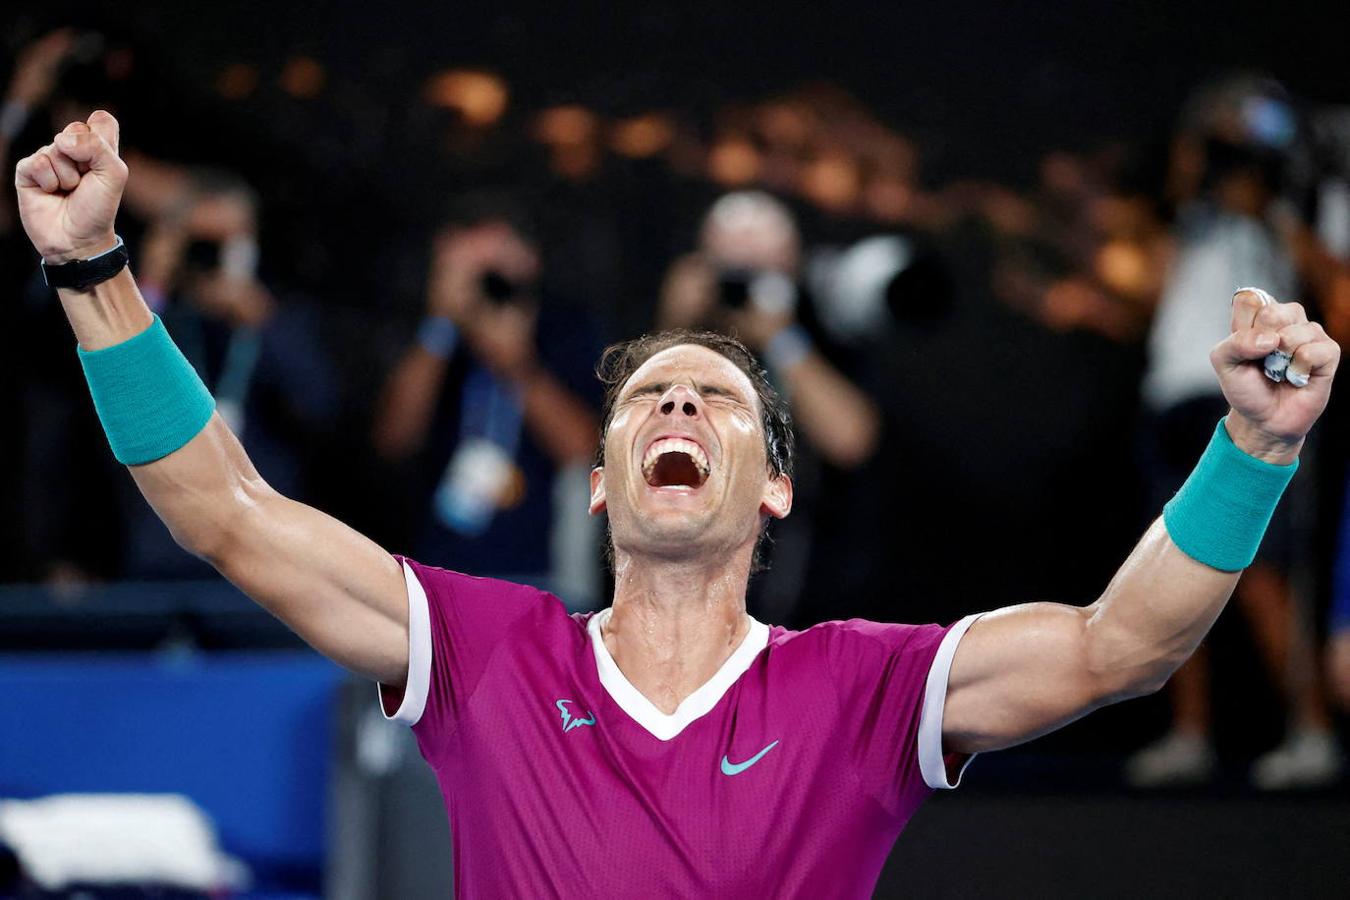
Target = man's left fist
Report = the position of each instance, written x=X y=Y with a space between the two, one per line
x=1270 y=418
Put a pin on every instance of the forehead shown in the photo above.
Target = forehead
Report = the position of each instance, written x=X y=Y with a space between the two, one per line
x=694 y=363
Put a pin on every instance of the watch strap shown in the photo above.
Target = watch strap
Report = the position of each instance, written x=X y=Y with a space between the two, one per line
x=82 y=274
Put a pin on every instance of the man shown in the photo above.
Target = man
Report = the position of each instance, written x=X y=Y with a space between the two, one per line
x=668 y=745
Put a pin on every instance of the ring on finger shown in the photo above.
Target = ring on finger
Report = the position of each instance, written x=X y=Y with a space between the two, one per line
x=1261 y=294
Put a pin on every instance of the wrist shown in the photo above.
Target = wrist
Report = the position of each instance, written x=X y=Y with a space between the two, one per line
x=1221 y=513
x=1248 y=437
x=13 y=116
x=438 y=336
x=83 y=250
x=523 y=373
x=108 y=313
x=787 y=348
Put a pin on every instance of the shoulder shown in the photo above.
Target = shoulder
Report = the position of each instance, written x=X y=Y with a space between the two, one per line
x=861 y=633
x=465 y=595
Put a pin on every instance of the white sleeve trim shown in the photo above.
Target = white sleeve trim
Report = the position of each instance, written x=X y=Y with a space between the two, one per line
x=931 y=764
x=419 y=655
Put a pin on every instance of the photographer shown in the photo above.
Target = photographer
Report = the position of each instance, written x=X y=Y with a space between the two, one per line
x=492 y=402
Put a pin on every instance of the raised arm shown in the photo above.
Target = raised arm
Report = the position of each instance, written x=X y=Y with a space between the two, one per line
x=1026 y=670
x=334 y=587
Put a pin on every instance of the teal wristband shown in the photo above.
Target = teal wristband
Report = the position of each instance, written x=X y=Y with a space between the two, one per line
x=1220 y=514
x=147 y=395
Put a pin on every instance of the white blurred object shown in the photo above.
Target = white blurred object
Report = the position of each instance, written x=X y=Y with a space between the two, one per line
x=1174 y=760
x=850 y=285
x=106 y=839
x=1309 y=757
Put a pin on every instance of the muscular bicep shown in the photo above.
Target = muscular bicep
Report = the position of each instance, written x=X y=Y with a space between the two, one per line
x=334 y=587
x=1019 y=673
x=331 y=585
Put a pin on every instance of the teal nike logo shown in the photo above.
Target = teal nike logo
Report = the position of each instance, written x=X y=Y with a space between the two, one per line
x=731 y=768
x=568 y=722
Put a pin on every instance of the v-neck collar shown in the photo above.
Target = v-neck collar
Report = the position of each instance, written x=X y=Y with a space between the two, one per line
x=664 y=726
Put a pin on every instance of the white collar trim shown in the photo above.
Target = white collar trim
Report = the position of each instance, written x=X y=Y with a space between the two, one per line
x=641 y=710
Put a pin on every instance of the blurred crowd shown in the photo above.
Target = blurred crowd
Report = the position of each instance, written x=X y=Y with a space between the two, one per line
x=995 y=385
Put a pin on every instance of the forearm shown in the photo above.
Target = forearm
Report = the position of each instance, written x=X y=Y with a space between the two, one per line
x=558 y=420
x=835 y=416
x=408 y=403
x=1173 y=586
x=107 y=314
x=1154 y=613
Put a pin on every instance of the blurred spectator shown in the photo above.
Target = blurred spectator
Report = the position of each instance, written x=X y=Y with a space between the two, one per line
x=1229 y=235
x=494 y=405
x=1338 y=648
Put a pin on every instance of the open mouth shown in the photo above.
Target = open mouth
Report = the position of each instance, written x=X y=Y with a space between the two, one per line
x=672 y=462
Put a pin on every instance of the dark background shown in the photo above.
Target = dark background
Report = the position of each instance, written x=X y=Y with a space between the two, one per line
x=1023 y=485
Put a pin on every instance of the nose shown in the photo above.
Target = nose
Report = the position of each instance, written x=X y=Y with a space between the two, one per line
x=681 y=399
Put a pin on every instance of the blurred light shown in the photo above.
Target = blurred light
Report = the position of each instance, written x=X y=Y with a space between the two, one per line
x=566 y=126
x=237 y=81
x=479 y=97
x=784 y=124
x=1124 y=268
x=642 y=136
x=733 y=162
x=303 y=78
x=832 y=181
x=888 y=199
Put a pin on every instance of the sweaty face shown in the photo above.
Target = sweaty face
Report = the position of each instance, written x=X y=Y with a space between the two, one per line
x=685 y=469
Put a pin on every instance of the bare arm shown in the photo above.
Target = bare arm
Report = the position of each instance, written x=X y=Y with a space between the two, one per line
x=563 y=425
x=837 y=417
x=1026 y=670
x=336 y=589
x=408 y=403
x=557 y=419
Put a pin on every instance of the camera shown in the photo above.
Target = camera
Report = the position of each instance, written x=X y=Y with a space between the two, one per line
x=770 y=292
x=499 y=290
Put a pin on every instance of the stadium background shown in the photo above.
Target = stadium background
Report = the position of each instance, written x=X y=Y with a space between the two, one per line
x=1014 y=478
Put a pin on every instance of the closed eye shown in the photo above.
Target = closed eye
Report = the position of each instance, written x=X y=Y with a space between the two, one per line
x=707 y=391
x=655 y=389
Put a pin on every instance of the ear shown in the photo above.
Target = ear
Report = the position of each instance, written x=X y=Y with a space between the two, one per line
x=777 y=501
x=597 y=490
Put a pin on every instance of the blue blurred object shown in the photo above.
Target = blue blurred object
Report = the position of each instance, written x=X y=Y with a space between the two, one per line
x=247 y=735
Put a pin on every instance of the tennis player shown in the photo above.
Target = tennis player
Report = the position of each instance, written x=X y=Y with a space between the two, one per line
x=669 y=745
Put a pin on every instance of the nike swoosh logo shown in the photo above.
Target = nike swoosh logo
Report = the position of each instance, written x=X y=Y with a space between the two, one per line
x=731 y=768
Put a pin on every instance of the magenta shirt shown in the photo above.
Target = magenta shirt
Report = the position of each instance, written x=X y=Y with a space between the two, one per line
x=789 y=774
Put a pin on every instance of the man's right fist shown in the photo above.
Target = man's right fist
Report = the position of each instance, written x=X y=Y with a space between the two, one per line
x=69 y=191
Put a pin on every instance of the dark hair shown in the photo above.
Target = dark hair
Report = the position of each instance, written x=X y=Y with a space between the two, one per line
x=619 y=362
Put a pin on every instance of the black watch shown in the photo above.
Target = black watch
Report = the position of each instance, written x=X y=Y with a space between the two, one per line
x=82 y=274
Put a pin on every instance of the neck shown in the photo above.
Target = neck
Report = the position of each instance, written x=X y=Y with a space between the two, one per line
x=675 y=622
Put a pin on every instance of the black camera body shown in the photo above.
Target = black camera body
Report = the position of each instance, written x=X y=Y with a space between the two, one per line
x=768 y=291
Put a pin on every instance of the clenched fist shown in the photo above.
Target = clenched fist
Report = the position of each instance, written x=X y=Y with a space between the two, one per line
x=1270 y=419
x=69 y=190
